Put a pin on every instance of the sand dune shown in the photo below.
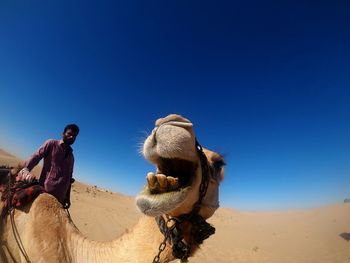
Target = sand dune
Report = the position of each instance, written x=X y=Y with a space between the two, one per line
x=319 y=235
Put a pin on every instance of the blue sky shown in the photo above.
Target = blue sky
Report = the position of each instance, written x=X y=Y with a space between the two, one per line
x=266 y=83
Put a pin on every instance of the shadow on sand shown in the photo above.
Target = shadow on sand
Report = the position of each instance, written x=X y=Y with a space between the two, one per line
x=346 y=236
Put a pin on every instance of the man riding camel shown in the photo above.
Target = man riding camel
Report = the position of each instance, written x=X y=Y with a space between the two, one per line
x=57 y=171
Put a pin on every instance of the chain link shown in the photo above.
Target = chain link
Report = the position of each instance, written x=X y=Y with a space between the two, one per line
x=173 y=232
x=161 y=248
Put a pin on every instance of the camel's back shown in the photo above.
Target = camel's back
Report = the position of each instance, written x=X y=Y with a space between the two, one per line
x=41 y=225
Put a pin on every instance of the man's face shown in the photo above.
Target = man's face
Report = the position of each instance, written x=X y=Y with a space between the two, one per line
x=69 y=137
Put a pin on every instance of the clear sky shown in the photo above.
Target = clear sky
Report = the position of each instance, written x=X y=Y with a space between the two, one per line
x=266 y=83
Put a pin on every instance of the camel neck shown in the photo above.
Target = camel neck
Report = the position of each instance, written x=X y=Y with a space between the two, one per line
x=139 y=245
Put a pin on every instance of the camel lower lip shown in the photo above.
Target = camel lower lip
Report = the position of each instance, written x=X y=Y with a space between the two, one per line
x=177 y=191
x=157 y=204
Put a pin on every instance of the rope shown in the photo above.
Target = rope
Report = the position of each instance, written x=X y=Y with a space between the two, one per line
x=71 y=220
x=3 y=255
x=17 y=236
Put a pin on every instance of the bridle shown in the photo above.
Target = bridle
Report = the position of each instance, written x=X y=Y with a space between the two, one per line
x=170 y=227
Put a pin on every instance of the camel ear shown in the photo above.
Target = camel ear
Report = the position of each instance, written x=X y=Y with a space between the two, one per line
x=219 y=165
x=221 y=174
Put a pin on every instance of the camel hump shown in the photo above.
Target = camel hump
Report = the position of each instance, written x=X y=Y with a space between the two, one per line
x=46 y=202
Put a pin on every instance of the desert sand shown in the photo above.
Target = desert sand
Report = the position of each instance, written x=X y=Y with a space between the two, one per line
x=320 y=235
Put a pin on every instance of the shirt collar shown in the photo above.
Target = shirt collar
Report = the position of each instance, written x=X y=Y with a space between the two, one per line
x=61 y=142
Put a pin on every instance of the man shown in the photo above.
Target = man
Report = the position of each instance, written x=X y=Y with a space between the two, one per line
x=57 y=171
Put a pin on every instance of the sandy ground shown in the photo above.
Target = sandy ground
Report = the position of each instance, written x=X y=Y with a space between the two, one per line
x=319 y=235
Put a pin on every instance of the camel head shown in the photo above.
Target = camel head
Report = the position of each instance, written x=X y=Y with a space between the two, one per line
x=174 y=188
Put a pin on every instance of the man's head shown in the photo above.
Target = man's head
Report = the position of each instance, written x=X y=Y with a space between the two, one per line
x=70 y=132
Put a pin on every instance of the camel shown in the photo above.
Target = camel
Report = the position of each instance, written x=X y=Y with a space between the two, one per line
x=175 y=189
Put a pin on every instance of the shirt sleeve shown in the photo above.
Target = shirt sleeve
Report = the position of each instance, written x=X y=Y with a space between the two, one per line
x=38 y=155
x=72 y=167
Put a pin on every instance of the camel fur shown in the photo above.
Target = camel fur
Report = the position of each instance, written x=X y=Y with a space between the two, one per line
x=48 y=236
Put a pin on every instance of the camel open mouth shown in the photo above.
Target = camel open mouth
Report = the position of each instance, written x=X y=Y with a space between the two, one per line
x=168 y=187
x=171 y=175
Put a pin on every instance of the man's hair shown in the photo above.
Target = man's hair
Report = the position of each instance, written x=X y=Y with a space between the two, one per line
x=72 y=127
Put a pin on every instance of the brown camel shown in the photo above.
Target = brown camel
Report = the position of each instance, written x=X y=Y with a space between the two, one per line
x=181 y=194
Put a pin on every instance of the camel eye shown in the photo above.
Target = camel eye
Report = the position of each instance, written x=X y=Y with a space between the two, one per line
x=218 y=164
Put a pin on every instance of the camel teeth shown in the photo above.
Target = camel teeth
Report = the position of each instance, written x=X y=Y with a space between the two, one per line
x=160 y=183
x=163 y=183
x=173 y=183
x=151 y=179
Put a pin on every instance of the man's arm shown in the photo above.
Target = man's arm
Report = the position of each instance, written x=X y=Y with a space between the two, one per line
x=38 y=155
x=66 y=204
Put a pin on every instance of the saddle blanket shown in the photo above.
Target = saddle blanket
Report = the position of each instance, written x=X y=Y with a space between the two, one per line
x=19 y=194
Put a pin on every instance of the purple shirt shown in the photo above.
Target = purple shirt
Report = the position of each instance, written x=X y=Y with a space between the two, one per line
x=58 y=167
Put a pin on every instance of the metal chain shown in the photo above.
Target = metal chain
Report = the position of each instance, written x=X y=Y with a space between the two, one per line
x=161 y=248
x=174 y=233
x=205 y=178
x=165 y=230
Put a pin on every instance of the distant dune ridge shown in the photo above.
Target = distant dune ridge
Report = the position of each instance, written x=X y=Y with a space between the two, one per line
x=319 y=235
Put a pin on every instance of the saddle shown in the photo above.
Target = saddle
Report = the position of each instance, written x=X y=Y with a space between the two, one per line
x=19 y=193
